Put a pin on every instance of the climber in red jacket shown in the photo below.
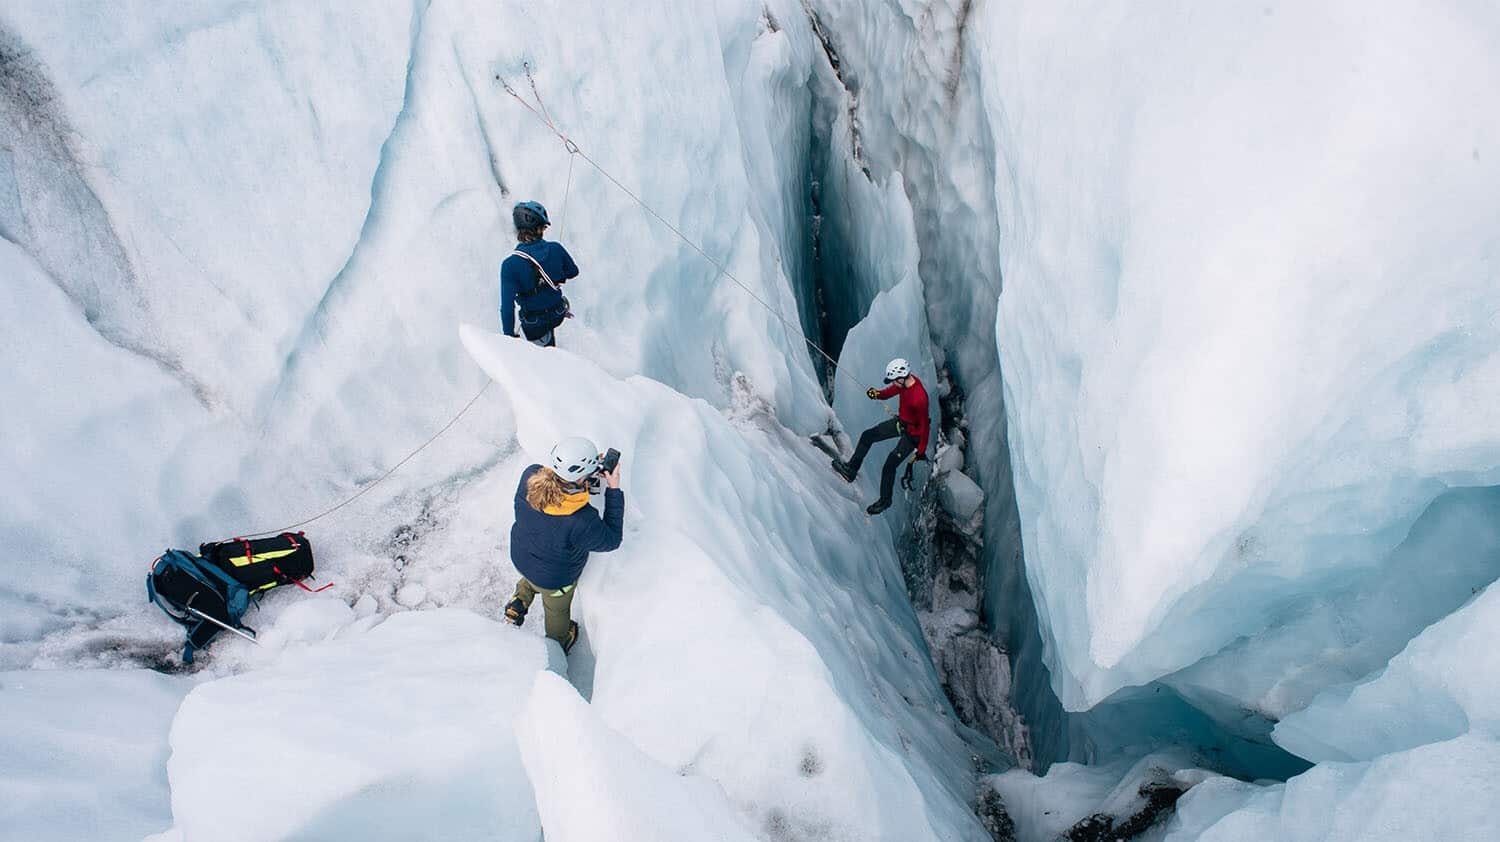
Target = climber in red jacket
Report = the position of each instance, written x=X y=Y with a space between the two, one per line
x=911 y=425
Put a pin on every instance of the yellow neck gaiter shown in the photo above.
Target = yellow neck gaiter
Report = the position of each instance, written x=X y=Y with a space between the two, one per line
x=570 y=504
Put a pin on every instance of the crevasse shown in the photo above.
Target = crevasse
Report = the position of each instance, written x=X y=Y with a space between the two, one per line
x=1217 y=290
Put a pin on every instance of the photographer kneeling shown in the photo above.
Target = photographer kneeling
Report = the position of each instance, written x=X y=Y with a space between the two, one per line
x=556 y=529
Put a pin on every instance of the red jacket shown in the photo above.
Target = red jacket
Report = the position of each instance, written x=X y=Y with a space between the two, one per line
x=913 y=411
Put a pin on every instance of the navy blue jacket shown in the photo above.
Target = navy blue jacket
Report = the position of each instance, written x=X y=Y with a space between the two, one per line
x=520 y=283
x=550 y=550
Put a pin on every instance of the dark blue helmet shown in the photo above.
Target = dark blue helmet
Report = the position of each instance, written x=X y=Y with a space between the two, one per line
x=529 y=215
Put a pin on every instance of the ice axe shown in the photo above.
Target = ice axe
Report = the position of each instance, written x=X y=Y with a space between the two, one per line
x=225 y=626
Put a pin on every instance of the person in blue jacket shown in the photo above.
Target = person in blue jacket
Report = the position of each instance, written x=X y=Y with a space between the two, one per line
x=531 y=278
x=556 y=529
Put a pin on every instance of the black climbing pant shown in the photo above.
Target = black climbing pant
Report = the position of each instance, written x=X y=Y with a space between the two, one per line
x=888 y=429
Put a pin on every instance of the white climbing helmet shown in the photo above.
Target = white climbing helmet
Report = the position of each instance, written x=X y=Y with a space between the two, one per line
x=896 y=369
x=574 y=459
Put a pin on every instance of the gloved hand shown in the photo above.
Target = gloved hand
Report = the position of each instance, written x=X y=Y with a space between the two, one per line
x=906 y=481
x=872 y=394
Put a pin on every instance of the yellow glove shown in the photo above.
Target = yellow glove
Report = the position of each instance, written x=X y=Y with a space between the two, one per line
x=874 y=395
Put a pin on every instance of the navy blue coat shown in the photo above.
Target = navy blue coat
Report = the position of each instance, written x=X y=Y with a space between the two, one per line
x=550 y=550
x=520 y=284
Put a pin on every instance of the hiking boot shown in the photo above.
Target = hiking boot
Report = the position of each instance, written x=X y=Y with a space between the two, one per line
x=842 y=468
x=878 y=506
x=572 y=637
x=515 y=612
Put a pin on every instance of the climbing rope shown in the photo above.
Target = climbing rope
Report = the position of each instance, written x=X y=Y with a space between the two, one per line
x=574 y=151
x=378 y=480
x=545 y=117
x=563 y=221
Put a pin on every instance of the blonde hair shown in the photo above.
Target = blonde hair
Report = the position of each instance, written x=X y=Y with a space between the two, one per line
x=545 y=489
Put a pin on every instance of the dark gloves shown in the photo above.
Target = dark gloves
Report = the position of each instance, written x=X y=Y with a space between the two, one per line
x=873 y=395
x=906 y=481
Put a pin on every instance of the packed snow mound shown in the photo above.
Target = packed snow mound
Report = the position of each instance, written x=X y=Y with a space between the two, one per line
x=1445 y=684
x=631 y=798
x=83 y=753
x=1127 y=796
x=1250 y=325
x=1442 y=790
x=738 y=632
x=392 y=732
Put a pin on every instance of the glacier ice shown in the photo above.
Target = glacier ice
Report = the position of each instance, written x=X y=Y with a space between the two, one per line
x=83 y=753
x=568 y=750
x=1247 y=326
x=1444 y=684
x=280 y=379
x=1411 y=753
x=932 y=125
x=334 y=200
x=736 y=562
x=1248 y=329
x=1440 y=790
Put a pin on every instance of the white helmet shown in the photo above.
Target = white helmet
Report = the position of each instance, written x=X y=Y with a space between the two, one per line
x=896 y=369
x=575 y=459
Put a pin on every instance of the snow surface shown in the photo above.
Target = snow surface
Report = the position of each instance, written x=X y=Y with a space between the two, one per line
x=83 y=753
x=569 y=751
x=1044 y=809
x=391 y=732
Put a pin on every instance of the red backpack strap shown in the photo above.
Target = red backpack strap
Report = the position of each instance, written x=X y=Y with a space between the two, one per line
x=298 y=582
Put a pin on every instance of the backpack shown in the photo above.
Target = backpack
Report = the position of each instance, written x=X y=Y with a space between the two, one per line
x=199 y=596
x=264 y=563
x=210 y=592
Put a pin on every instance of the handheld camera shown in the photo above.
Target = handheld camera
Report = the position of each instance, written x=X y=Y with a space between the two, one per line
x=606 y=464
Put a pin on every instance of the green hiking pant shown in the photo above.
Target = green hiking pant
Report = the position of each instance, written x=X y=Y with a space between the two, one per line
x=558 y=606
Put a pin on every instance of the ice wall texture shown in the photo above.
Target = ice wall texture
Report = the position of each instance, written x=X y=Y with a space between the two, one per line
x=1412 y=752
x=1249 y=335
x=931 y=125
